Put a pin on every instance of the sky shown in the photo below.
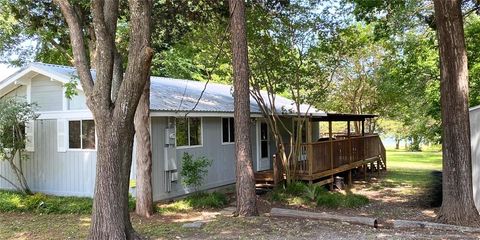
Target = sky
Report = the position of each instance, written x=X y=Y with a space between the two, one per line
x=6 y=70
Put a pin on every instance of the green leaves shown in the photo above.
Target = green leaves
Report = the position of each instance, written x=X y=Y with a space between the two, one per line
x=15 y=114
x=194 y=170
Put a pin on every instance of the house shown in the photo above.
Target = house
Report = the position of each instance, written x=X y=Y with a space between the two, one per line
x=62 y=141
x=475 y=145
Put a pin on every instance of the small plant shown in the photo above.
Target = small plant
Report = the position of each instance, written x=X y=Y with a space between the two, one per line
x=312 y=191
x=296 y=188
x=213 y=200
x=338 y=200
x=194 y=170
x=208 y=200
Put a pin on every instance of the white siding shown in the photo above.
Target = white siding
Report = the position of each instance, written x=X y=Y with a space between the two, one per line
x=475 y=143
x=71 y=173
x=78 y=102
x=19 y=92
x=47 y=94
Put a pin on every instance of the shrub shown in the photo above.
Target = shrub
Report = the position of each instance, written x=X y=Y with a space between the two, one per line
x=312 y=191
x=213 y=200
x=337 y=200
x=296 y=188
x=208 y=200
x=193 y=171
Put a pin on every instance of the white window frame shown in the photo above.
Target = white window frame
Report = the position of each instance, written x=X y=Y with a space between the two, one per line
x=68 y=136
x=188 y=134
x=221 y=127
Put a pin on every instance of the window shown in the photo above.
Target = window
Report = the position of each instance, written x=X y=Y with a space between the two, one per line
x=228 y=131
x=81 y=134
x=263 y=140
x=189 y=131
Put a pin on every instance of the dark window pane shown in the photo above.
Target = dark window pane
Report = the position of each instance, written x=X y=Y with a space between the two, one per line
x=182 y=132
x=232 y=130
x=195 y=131
x=88 y=134
x=264 y=150
x=225 y=129
x=263 y=131
x=74 y=134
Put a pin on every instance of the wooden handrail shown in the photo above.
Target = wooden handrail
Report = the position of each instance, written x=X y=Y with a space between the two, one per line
x=328 y=155
x=339 y=140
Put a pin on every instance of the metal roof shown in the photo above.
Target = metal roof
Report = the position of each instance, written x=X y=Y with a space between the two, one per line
x=178 y=95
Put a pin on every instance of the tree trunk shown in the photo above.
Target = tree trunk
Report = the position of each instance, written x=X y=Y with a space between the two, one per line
x=144 y=195
x=397 y=143
x=246 y=196
x=457 y=204
x=110 y=217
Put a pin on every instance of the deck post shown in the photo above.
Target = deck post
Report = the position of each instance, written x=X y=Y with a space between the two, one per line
x=363 y=151
x=349 y=153
x=330 y=138
x=309 y=149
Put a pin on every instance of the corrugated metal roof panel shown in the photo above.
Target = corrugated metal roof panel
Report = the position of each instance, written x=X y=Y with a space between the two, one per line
x=180 y=95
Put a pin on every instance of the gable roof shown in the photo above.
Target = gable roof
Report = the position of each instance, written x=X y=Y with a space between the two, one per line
x=171 y=95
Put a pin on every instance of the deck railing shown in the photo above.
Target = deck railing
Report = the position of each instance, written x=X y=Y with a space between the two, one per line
x=327 y=155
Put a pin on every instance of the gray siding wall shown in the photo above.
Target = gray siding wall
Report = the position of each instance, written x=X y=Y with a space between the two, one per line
x=19 y=92
x=70 y=173
x=47 y=94
x=222 y=171
x=475 y=143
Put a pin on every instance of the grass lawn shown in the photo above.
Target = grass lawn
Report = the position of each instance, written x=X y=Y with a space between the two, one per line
x=412 y=168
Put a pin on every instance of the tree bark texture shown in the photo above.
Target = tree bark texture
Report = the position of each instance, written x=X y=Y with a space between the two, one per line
x=113 y=106
x=457 y=204
x=245 y=185
x=144 y=194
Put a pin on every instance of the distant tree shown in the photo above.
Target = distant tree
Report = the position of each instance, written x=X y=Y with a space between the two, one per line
x=458 y=206
x=15 y=116
x=245 y=184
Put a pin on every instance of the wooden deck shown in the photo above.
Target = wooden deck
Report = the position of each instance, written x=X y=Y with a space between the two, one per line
x=323 y=160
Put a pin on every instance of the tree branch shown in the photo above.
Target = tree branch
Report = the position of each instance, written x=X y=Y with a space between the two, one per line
x=139 y=57
x=78 y=46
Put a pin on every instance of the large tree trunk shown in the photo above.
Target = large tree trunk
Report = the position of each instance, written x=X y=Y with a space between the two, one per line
x=144 y=195
x=110 y=218
x=457 y=204
x=113 y=107
x=246 y=196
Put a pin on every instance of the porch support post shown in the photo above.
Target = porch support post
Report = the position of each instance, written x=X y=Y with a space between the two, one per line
x=310 y=149
x=350 y=157
x=330 y=138
x=363 y=150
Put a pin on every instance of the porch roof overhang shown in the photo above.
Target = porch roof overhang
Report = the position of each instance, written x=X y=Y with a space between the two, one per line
x=342 y=117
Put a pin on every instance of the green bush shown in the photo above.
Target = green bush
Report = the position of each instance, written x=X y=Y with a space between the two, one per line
x=41 y=203
x=312 y=191
x=298 y=193
x=296 y=188
x=194 y=170
x=208 y=200
x=339 y=200
x=202 y=200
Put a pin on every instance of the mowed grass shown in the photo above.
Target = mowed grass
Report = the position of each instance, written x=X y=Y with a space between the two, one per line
x=412 y=169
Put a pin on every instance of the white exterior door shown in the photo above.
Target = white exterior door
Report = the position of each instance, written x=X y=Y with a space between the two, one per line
x=263 y=146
